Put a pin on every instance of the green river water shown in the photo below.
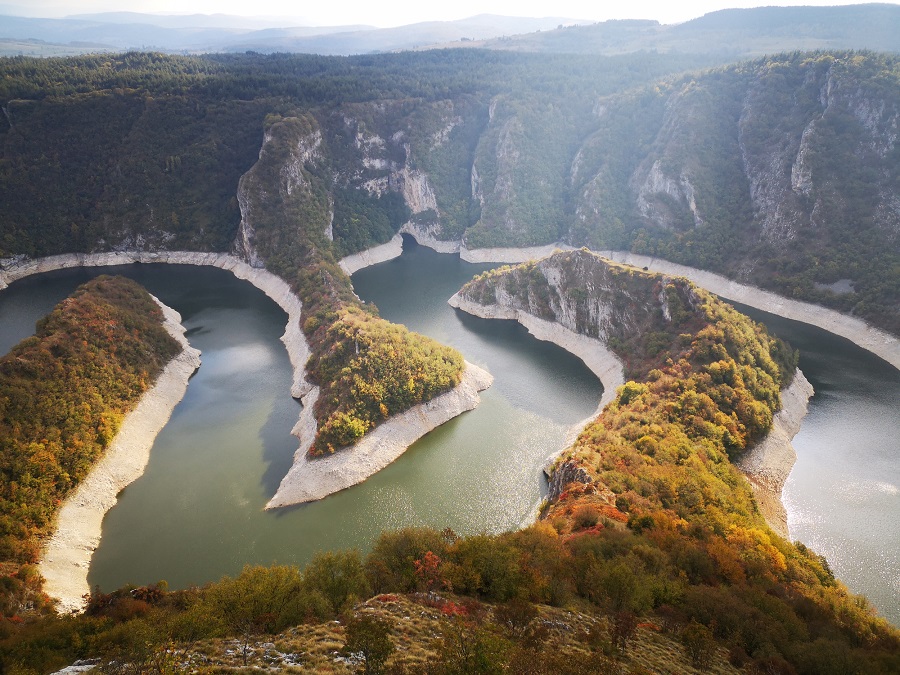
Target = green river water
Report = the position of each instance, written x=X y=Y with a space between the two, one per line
x=196 y=514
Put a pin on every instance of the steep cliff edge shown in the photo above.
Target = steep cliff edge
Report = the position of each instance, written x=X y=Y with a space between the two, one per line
x=780 y=172
x=677 y=344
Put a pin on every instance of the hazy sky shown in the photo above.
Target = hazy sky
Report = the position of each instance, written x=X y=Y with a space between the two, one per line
x=393 y=13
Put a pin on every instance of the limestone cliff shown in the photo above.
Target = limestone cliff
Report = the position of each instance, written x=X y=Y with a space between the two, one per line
x=282 y=186
x=781 y=172
x=741 y=169
x=583 y=294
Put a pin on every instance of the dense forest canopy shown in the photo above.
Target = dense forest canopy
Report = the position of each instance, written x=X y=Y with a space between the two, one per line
x=781 y=171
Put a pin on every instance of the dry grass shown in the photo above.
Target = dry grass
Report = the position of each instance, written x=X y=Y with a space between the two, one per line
x=418 y=623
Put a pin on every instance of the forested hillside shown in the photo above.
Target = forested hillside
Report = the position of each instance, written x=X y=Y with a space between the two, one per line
x=63 y=394
x=781 y=172
x=705 y=386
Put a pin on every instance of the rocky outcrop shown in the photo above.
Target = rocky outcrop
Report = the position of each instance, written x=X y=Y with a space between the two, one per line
x=67 y=555
x=564 y=474
x=280 y=184
x=656 y=184
x=426 y=235
x=599 y=359
x=416 y=190
x=768 y=464
x=312 y=479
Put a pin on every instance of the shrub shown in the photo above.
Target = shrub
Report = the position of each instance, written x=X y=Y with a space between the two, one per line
x=699 y=644
x=370 y=637
x=585 y=516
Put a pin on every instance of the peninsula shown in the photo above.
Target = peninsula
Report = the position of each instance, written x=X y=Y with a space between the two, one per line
x=66 y=394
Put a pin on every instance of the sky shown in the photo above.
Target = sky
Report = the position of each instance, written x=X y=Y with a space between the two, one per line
x=385 y=13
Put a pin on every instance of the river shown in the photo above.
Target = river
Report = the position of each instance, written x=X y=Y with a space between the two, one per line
x=843 y=496
x=196 y=514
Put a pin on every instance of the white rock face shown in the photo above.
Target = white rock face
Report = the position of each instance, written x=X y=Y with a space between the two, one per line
x=655 y=183
x=67 y=555
x=312 y=479
x=416 y=190
x=425 y=236
x=510 y=256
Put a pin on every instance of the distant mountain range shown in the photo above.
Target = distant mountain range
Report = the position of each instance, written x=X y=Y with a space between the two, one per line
x=737 y=33
x=120 y=31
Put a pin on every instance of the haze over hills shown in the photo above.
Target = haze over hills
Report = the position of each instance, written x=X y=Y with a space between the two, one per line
x=738 y=32
x=732 y=33
x=413 y=36
x=119 y=31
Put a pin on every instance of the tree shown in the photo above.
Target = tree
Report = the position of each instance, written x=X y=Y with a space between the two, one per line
x=699 y=644
x=371 y=638
x=339 y=577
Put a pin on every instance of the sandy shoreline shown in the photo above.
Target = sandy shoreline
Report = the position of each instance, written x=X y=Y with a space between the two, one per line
x=274 y=287
x=599 y=359
x=768 y=464
x=294 y=340
x=67 y=555
x=372 y=256
x=312 y=479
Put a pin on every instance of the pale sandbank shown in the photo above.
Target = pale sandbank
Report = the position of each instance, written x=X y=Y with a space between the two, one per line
x=67 y=554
